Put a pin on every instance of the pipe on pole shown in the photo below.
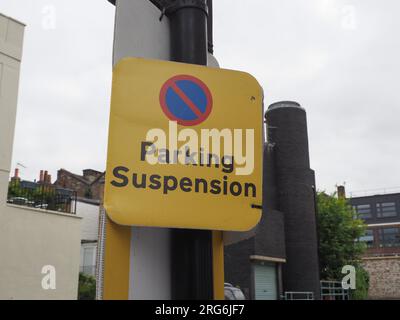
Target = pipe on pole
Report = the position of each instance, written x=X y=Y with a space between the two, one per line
x=191 y=250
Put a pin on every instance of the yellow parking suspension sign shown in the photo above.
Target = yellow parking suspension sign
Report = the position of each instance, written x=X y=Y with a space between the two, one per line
x=185 y=147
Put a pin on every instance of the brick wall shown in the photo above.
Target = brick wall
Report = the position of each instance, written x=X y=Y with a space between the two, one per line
x=238 y=266
x=97 y=190
x=384 y=273
x=69 y=182
x=91 y=175
x=86 y=186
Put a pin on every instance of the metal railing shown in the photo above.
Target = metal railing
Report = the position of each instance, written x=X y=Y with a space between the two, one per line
x=330 y=290
x=42 y=196
x=374 y=192
x=333 y=290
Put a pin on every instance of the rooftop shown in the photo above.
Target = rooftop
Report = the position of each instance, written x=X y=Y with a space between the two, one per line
x=10 y=18
x=375 y=192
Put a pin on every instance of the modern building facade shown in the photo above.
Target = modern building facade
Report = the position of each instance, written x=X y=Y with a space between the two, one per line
x=381 y=213
x=33 y=242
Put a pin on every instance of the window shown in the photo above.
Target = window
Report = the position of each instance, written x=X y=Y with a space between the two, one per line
x=386 y=210
x=368 y=238
x=88 y=260
x=389 y=237
x=363 y=211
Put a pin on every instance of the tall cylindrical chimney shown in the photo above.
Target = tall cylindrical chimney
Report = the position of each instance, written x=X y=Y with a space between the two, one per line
x=341 y=192
x=287 y=124
x=41 y=176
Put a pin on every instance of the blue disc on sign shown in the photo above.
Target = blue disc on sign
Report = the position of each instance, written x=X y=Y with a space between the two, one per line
x=186 y=99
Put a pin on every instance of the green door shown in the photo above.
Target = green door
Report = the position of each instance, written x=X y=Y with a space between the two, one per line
x=265 y=282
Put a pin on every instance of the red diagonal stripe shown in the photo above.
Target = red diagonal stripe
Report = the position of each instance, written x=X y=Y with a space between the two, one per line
x=185 y=99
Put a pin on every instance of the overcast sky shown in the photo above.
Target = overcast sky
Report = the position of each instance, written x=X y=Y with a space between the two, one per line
x=339 y=58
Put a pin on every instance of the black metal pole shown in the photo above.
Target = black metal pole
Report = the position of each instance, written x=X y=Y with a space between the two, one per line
x=210 y=27
x=188 y=24
x=191 y=250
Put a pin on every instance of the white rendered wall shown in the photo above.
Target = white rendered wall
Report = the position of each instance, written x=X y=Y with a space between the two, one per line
x=89 y=234
x=90 y=220
x=29 y=239
x=11 y=38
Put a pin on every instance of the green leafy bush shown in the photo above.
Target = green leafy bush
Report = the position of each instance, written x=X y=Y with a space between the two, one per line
x=362 y=284
x=87 y=287
x=338 y=233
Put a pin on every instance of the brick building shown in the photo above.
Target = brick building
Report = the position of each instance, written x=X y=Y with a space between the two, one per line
x=381 y=213
x=87 y=185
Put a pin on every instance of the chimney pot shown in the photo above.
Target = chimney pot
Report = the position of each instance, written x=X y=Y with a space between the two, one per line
x=341 y=192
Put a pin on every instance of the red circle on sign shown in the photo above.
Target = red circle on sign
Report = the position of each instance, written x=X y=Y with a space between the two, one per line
x=201 y=116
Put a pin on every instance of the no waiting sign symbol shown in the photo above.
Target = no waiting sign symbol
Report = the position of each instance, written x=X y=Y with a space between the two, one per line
x=186 y=100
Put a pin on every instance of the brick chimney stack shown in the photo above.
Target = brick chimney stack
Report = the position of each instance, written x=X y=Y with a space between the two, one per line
x=341 y=192
x=16 y=175
x=41 y=177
